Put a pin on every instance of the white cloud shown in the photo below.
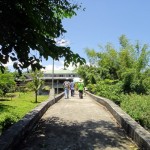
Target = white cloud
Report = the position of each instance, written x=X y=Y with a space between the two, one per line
x=62 y=42
x=50 y=67
x=58 y=65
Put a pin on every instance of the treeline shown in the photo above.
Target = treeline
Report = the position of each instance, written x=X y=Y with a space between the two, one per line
x=11 y=82
x=121 y=75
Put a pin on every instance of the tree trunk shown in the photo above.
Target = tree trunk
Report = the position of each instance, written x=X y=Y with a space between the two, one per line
x=35 y=96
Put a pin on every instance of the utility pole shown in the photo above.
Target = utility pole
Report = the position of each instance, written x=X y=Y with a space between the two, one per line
x=52 y=92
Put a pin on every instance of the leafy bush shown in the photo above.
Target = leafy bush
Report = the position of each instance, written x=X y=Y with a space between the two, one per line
x=6 y=121
x=138 y=107
x=23 y=89
x=107 y=88
x=46 y=88
x=146 y=84
x=1 y=92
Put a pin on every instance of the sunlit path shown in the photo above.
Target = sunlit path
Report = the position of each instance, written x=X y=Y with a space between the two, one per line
x=77 y=124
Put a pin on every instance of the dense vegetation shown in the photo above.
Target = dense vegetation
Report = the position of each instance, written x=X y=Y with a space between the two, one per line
x=7 y=82
x=121 y=75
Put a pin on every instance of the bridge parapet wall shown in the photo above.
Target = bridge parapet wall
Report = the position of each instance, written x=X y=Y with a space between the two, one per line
x=135 y=131
x=19 y=130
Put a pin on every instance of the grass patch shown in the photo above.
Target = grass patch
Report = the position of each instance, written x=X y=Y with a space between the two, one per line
x=13 y=108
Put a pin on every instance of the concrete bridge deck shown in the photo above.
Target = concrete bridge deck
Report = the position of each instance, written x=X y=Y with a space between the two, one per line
x=77 y=124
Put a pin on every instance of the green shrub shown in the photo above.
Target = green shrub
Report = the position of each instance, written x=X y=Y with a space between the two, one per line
x=107 y=88
x=138 y=107
x=146 y=84
x=7 y=120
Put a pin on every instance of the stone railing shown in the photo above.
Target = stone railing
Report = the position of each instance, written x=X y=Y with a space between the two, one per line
x=19 y=130
x=138 y=134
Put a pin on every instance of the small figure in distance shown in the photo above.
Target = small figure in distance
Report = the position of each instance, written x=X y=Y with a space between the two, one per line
x=72 y=86
x=80 y=88
x=66 y=85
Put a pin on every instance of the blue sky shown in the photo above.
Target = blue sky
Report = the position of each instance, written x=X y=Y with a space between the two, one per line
x=105 y=21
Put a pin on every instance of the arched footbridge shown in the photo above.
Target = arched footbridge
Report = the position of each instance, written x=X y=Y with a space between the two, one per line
x=91 y=123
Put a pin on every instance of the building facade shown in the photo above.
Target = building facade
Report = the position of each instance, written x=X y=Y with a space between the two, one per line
x=55 y=80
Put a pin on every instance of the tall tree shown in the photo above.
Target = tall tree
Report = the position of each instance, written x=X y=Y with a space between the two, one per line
x=92 y=56
x=31 y=26
x=127 y=67
x=108 y=62
x=36 y=82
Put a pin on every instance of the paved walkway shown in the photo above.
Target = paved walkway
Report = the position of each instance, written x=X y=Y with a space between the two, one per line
x=77 y=124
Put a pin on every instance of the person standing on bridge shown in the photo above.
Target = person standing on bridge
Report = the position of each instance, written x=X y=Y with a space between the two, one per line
x=66 y=85
x=80 y=88
x=72 y=85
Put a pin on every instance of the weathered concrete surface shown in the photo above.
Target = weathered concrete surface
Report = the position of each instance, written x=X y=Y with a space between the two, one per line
x=77 y=124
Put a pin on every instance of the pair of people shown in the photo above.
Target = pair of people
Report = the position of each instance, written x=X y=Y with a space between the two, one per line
x=67 y=86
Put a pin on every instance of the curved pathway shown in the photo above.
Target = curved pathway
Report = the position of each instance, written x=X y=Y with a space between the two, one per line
x=77 y=124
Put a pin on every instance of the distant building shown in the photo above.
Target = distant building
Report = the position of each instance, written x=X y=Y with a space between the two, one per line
x=58 y=77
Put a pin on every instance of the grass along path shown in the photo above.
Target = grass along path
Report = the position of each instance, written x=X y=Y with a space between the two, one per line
x=14 y=107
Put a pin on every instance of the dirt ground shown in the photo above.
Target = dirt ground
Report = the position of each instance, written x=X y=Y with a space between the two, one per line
x=77 y=124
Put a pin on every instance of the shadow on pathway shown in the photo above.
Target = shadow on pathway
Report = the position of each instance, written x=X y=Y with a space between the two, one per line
x=77 y=125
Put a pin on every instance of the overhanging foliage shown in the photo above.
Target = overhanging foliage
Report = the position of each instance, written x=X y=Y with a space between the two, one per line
x=29 y=27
